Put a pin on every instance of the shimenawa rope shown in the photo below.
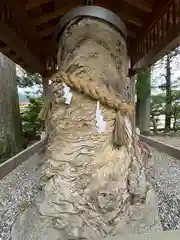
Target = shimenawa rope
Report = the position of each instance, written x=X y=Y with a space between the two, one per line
x=106 y=96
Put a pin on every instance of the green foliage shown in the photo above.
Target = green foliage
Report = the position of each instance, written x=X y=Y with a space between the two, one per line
x=175 y=95
x=158 y=104
x=31 y=125
x=158 y=107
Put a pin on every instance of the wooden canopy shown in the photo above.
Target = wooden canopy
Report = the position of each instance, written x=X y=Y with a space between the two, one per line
x=26 y=29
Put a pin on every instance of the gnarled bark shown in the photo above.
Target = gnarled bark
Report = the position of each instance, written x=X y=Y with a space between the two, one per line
x=93 y=189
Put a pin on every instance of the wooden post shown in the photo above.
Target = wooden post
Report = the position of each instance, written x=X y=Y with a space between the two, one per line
x=45 y=81
x=132 y=94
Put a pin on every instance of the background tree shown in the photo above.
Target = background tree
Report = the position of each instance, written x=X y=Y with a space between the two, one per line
x=10 y=122
x=175 y=109
x=26 y=79
x=165 y=81
x=168 y=108
x=32 y=126
x=157 y=110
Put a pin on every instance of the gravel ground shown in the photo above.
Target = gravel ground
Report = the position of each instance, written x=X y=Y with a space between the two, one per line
x=17 y=190
x=165 y=177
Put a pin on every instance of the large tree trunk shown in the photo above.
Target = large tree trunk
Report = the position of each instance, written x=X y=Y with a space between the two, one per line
x=94 y=189
x=10 y=127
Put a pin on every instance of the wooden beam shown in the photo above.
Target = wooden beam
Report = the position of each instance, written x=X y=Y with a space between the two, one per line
x=146 y=60
x=28 y=26
x=52 y=15
x=131 y=34
x=131 y=19
x=141 y=4
x=32 y=42
x=35 y=3
x=158 y=9
x=170 y=41
x=5 y=49
x=46 y=32
x=18 y=45
x=11 y=54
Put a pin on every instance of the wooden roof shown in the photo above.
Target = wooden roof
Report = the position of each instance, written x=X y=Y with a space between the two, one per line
x=26 y=26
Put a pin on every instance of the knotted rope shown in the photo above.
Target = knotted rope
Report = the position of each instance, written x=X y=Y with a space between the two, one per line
x=105 y=95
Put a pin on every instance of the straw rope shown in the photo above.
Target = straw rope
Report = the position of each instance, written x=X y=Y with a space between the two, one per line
x=106 y=96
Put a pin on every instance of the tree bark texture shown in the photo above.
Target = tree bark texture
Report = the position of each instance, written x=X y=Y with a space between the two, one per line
x=93 y=190
x=10 y=125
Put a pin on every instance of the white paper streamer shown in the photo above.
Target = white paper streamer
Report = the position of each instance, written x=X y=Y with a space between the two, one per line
x=128 y=127
x=100 y=123
x=67 y=94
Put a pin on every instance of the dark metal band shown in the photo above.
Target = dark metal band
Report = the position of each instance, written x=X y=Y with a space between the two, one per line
x=91 y=11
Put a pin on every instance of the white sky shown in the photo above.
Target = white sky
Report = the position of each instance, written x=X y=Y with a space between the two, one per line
x=157 y=79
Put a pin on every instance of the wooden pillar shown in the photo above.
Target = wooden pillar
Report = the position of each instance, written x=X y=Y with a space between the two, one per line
x=132 y=94
x=143 y=101
x=45 y=82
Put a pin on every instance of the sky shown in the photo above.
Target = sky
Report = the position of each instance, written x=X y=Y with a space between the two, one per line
x=157 y=78
x=23 y=91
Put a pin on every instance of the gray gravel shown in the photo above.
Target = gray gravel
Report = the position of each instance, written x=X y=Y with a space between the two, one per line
x=165 y=177
x=17 y=190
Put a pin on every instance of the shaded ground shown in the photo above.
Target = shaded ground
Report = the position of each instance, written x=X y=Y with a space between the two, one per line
x=17 y=190
x=165 y=178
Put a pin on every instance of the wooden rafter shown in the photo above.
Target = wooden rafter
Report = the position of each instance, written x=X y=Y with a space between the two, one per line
x=34 y=3
x=124 y=10
x=163 y=36
x=52 y=15
x=131 y=19
x=157 y=10
x=46 y=32
x=28 y=33
x=131 y=34
x=170 y=41
x=28 y=25
x=146 y=7
x=18 y=45
x=11 y=54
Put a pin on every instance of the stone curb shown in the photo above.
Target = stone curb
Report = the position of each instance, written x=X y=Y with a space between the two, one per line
x=164 y=235
x=7 y=166
x=162 y=147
